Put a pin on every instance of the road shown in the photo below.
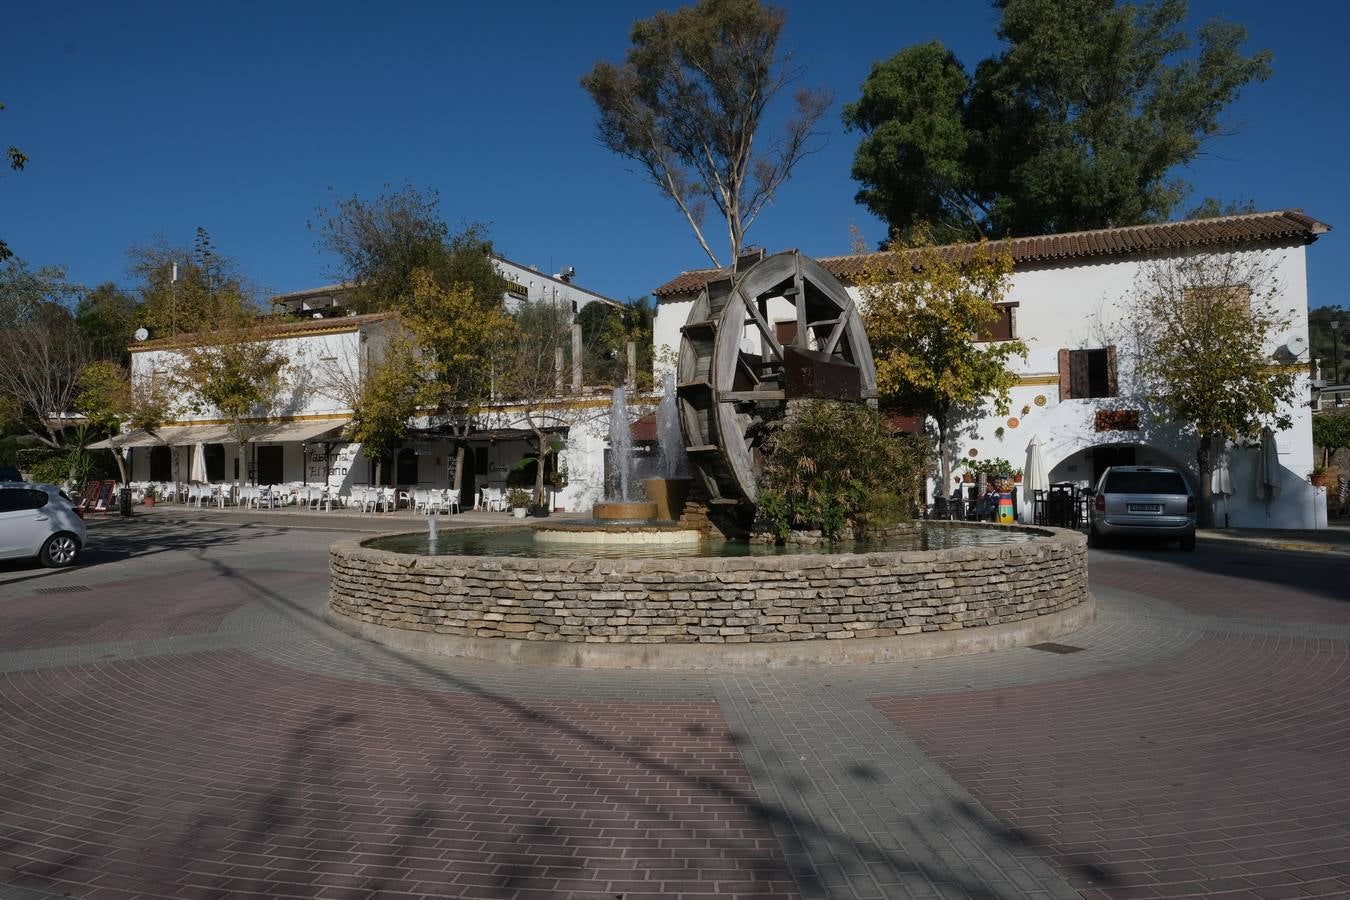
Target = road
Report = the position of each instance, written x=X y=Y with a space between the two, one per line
x=176 y=720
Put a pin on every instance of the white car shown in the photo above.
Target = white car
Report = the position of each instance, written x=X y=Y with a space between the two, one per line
x=39 y=520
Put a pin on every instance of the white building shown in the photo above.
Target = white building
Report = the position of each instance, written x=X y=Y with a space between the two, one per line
x=299 y=439
x=1074 y=389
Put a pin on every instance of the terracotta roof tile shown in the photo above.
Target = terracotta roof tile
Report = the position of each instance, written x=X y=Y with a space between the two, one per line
x=1247 y=228
x=276 y=328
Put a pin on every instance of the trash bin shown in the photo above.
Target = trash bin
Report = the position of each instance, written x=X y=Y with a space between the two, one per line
x=1007 y=513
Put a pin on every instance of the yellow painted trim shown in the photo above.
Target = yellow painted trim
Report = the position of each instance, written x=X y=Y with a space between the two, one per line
x=317 y=417
x=1037 y=380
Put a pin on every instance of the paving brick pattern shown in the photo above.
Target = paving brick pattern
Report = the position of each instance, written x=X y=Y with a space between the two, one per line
x=192 y=727
x=160 y=778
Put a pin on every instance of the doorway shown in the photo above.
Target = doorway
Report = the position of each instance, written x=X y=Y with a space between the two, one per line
x=1105 y=457
x=271 y=464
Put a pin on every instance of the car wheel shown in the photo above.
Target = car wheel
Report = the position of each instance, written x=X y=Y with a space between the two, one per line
x=1188 y=542
x=61 y=550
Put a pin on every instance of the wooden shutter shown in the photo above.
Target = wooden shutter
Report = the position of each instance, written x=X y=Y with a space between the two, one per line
x=1064 y=374
x=1112 y=380
x=785 y=331
x=1079 y=386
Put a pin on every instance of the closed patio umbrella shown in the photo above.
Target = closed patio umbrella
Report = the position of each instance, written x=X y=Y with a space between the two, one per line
x=1221 y=484
x=1268 y=468
x=198 y=472
x=1035 y=477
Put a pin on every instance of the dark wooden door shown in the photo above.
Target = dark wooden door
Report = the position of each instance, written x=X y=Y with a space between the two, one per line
x=270 y=465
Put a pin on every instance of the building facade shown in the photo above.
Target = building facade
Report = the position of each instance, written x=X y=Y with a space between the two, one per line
x=1076 y=387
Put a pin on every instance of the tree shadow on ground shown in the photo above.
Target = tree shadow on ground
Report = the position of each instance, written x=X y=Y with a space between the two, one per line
x=816 y=838
x=1317 y=574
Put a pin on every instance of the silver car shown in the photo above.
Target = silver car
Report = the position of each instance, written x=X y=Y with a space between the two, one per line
x=1143 y=501
x=39 y=520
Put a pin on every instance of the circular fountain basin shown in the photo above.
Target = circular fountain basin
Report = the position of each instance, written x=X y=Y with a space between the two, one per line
x=604 y=534
x=940 y=589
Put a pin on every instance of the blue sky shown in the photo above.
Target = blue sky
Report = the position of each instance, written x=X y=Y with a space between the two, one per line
x=145 y=119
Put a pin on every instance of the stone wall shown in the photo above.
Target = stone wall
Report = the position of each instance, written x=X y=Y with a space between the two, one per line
x=737 y=600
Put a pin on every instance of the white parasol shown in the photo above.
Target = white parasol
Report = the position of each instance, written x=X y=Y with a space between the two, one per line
x=198 y=472
x=1268 y=468
x=1035 y=477
x=1221 y=484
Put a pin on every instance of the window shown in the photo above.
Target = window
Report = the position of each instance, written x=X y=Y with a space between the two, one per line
x=1144 y=483
x=1004 y=329
x=1084 y=374
x=480 y=460
x=1239 y=295
x=161 y=463
x=17 y=500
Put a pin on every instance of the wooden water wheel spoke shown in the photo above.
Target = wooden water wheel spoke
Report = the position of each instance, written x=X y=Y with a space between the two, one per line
x=729 y=396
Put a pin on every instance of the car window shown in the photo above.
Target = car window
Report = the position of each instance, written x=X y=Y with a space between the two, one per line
x=1144 y=483
x=13 y=500
x=37 y=499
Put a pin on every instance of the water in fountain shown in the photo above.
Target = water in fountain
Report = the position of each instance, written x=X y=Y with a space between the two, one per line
x=620 y=447
x=431 y=533
x=674 y=462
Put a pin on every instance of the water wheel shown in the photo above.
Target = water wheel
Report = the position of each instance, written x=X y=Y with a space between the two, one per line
x=781 y=329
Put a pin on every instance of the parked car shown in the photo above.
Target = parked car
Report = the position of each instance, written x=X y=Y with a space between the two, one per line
x=1143 y=501
x=9 y=473
x=39 y=520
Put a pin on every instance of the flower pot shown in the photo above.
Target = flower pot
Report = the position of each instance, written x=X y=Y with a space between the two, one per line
x=968 y=478
x=519 y=512
x=149 y=501
x=1322 y=480
x=1017 y=479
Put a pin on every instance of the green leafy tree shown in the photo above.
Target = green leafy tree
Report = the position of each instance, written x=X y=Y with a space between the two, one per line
x=1200 y=331
x=237 y=373
x=1080 y=122
x=925 y=310
x=390 y=395
x=17 y=160
x=381 y=243
x=834 y=467
x=108 y=400
x=1331 y=432
x=606 y=332
x=42 y=352
x=527 y=376
x=106 y=317
x=189 y=291
x=687 y=103
x=1329 y=341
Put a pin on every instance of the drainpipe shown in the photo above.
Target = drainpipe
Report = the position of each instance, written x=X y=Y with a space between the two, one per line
x=576 y=357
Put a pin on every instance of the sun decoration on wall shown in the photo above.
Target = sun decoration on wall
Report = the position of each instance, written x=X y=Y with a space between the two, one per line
x=1040 y=400
x=972 y=453
x=1013 y=422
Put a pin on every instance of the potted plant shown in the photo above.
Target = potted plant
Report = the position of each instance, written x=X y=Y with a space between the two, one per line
x=151 y=494
x=519 y=500
x=1320 y=477
x=1017 y=476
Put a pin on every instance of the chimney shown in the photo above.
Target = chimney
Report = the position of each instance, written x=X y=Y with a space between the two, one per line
x=576 y=357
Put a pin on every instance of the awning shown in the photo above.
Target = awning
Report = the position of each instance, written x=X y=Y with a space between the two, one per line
x=186 y=435
x=169 y=436
x=302 y=432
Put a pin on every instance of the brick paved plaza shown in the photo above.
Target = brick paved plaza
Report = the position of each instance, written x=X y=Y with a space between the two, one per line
x=177 y=720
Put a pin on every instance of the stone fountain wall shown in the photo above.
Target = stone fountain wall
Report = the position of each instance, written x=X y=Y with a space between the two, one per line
x=714 y=612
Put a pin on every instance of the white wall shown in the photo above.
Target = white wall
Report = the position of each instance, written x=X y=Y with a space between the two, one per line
x=1073 y=306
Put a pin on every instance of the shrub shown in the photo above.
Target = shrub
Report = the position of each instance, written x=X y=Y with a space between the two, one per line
x=835 y=468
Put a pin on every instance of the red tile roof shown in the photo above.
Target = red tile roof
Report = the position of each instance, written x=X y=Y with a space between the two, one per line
x=275 y=327
x=1278 y=226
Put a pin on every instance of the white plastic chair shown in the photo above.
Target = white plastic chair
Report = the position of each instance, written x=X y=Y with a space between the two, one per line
x=451 y=501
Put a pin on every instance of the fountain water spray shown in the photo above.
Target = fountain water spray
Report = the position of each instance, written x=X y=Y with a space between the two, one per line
x=431 y=532
x=620 y=446
x=674 y=462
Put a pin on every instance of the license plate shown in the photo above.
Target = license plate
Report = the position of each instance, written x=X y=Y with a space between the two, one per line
x=1146 y=507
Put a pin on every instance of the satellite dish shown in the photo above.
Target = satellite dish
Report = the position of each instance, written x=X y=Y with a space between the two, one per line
x=1296 y=345
x=141 y=334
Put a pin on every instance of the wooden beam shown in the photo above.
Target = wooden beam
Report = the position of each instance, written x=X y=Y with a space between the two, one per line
x=742 y=396
x=752 y=307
